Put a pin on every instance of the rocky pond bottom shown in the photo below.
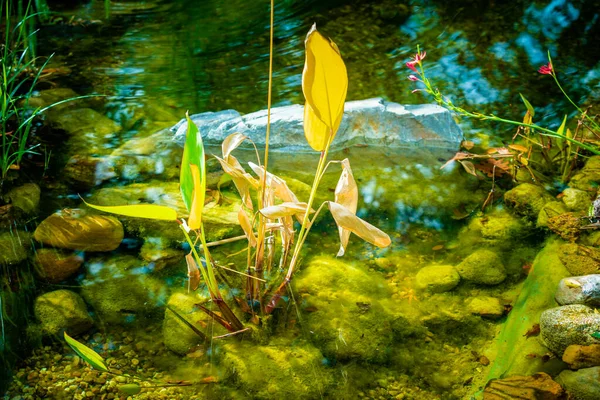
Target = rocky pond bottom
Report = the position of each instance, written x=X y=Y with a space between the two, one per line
x=493 y=304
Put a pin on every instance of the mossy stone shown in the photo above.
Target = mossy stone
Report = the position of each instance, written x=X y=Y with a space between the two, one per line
x=348 y=319
x=527 y=200
x=438 y=278
x=580 y=260
x=14 y=246
x=25 y=198
x=550 y=210
x=576 y=200
x=588 y=178
x=62 y=310
x=280 y=370
x=486 y=307
x=483 y=267
x=498 y=228
x=55 y=265
x=567 y=225
x=582 y=384
x=120 y=290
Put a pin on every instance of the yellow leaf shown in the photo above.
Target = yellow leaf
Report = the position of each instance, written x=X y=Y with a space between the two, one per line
x=346 y=194
x=149 y=211
x=325 y=84
x=277 y=186
x=241 y=179
x=195 y=218
x=246 y=225
x=518 y=147
x=345 y=219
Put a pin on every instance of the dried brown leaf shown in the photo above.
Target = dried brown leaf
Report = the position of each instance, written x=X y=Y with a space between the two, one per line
x=193 y=272
x=246 y=225
x=284 y=210
x=347 y=220
x=346 y=194
x=231 y=143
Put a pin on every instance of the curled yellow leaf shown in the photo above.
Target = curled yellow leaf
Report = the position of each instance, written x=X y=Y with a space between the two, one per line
x=325 y=84
x=246 y=225
x=231 y=143
x=242 y=180
x=347 y=220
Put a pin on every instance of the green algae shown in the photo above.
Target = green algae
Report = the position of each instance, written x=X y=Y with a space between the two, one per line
x=512 y=345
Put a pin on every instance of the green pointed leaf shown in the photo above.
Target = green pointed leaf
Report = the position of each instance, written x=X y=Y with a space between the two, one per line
x=561 y=129
x=193 y=153
x=88 y=355
x=528 y=105
x=149 y=211
x=130 y=389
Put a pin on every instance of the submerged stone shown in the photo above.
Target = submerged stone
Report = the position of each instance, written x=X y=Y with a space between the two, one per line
x=580 y=260
x=579 y=290
x=484 y=267
x=563 y=326
x=486 y=307
x=347 y=317
x=582 y=384
x=158 y=253
x=55 y=265
x=62 y=310
x=25 y=198
x=578 y=356
x=498 y=228
x=179 y=337
x=373 y=122
x=14 y=246
x=567 y=226
x=527 y=200
x=588 y=178
x=120 y=289
x=550 y=210
x=576 y=200
x=74 y=229
x=438 y=278
x=536 y=387
x=280 y=370
x=87 y=172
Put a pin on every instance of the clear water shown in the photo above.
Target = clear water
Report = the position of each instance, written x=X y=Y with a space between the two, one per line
x=156 y=59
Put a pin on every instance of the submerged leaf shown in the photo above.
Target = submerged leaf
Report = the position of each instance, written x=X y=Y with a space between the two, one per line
x=346 y=194
x=88 y=355
x=469 y=167
x=325 y=84
x=193 y=272
x=345 y=219
x=193 y=153
x=246 y=225
x=284 y=210
x=150 y=211
x=195 y=218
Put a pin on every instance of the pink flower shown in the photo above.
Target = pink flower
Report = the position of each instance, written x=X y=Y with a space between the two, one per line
x=416 y=60
x=546 y=69
x=413 y=78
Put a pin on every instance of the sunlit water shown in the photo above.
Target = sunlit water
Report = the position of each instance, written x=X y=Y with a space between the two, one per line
x=154 y=60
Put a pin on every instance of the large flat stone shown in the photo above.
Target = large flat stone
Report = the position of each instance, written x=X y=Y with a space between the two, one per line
x=372 y=122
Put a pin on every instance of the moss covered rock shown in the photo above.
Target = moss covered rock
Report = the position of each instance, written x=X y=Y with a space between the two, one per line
x=179 y=337
x=550 y=210
x=438 y=278
x=527 y=200
x=159 y=255
x=280 y=370
x=582 y=384
x=120 y=290
x=25 y=198
x=588 y=179
x=580 y=260
x=484 y=267
x=62 y=310
x=55 y=265
x=347 y=316
x=576 y=200
x=486 y=307
x=567 y=226
x=14 y=246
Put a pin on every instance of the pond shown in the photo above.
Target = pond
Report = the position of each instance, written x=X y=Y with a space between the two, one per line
x=464 y=293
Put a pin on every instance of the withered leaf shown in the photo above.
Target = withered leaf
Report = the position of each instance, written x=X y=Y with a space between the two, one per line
x=193 y=272
x=246 y=225
x=346 y=194
x=347 y=220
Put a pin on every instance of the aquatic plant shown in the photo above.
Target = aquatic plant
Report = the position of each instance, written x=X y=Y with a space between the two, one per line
x=20 y=74
x=324 y=85
x=558 y=147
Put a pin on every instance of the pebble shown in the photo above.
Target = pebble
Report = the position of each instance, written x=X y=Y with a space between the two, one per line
x=579 y=290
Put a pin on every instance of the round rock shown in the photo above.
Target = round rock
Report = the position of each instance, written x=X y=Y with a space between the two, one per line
x=563 y=326
x=62 y=310
x=484 y=267
x=579 y=290
x=438 y=278
x=486 y=307
x=576 y=200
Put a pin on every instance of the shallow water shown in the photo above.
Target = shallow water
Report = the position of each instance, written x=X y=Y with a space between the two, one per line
x=357 y=330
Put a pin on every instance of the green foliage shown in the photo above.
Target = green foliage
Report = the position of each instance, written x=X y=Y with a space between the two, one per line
x=193 y=153
x=87 y=354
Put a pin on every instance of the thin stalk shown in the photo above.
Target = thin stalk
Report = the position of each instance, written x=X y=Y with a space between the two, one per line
x=596 y=126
